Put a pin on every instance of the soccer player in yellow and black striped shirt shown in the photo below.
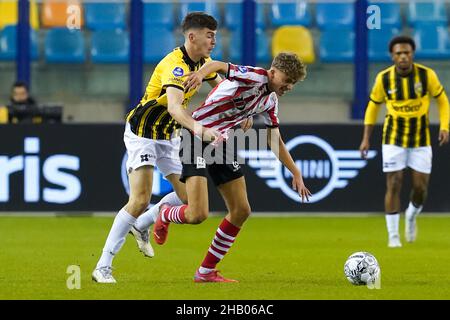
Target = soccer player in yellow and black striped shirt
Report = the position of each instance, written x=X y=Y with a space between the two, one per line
x=149 y=138
x=406 y=89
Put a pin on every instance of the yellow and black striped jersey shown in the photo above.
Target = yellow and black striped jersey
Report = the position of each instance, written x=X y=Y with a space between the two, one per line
x=407 y=100
x=150 y=118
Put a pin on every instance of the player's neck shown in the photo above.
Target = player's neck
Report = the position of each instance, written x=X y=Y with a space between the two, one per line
x=404 y=72
x=191 y=53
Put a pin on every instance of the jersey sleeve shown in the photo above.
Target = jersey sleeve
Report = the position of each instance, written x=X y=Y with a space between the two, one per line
x=246 y=74
x=378 y=95
x=270 y=116
x=173 y=76
x=435 y=87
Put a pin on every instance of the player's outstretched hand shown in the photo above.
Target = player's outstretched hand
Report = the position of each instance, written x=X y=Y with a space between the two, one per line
x=299 y=186
x=193 y=80
x=443 y=137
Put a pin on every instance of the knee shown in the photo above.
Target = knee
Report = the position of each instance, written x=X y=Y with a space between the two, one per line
x=242 y=211
x=138 y=204
x=198 y=215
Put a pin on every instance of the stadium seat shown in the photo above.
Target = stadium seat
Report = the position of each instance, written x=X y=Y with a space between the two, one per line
x=217 y=53
x=54 y=13
x=208 y=6
x=233 y=16
x=105 y=15
x=110 y=46
x=335 y=15
x=64 y=46
x=285 y=13
x=9 y=13
x=158 y=42
x=431 y=12
x=390 y=13
x=262 y=47
x=432 y=42
x=8 y=44
x=158 y=14
x=296 y=39
x=379 y=43
x=337 y=46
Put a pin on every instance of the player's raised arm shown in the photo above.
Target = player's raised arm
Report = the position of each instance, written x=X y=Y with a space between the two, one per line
x=175 y=98
x=278 y=147
x=195 y=78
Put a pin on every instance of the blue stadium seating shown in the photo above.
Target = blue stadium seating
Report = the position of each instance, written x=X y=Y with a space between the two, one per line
x=208 y=6
x=335 y=15
x=8 y=44
x=233 y=16
x=110 y=46
x=158 y=42
x=433 y=12
x=432 y=42
x=337 y=46
x=217 y=53
x=262 y=47
x=390 y=14
x=158 y=14
x=379 y=43
x=64 y=46
x=105 y=16
x=285 y=13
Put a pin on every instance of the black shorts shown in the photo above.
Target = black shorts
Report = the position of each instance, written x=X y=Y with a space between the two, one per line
x=200 y=158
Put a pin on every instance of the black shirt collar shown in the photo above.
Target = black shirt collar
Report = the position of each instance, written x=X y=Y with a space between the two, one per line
x=192 y=65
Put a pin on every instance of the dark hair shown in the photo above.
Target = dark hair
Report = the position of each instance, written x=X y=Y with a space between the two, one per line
x=198 y=20
x=402 y=39
x=20 y=84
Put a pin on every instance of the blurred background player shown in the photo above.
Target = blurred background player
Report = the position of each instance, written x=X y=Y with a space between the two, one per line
x=150 y=138
x=405 y=88
x=245 y=92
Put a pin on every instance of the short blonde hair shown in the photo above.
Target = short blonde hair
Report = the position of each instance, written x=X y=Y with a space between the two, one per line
x=290 y=64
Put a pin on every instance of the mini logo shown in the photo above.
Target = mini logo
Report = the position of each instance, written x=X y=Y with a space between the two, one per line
x=145 y=157
x=236 y=166
x=418 y=88
x=329 y=169
x=242 y=69
x=201 y=163
x=239 y=103
x=178 y=72
x=391 y=91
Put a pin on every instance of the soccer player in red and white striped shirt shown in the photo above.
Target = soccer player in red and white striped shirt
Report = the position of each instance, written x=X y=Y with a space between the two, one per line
x=246 y=91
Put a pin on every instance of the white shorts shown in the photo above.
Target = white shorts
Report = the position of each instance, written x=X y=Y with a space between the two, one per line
x=148 y=152
x=397 y=158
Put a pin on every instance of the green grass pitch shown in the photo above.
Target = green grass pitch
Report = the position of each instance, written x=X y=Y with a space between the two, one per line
x=273 y=258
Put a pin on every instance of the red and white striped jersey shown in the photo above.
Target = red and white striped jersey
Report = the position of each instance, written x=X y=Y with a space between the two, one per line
x=241 y=95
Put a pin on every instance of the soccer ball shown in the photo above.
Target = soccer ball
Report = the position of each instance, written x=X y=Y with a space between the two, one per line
x=362 y=268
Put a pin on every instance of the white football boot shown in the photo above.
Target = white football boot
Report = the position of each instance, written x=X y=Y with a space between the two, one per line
x=103 y=275
x=411 y=228
x=394 y=241
x=143 y=241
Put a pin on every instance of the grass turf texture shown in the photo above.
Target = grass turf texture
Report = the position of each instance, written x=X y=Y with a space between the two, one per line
x=273 y=258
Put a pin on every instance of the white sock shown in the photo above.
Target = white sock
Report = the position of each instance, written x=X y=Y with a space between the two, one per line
x=412 y=211
x=116 y=238
x=203 y=270
x=392 y=221
x=149 y=217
